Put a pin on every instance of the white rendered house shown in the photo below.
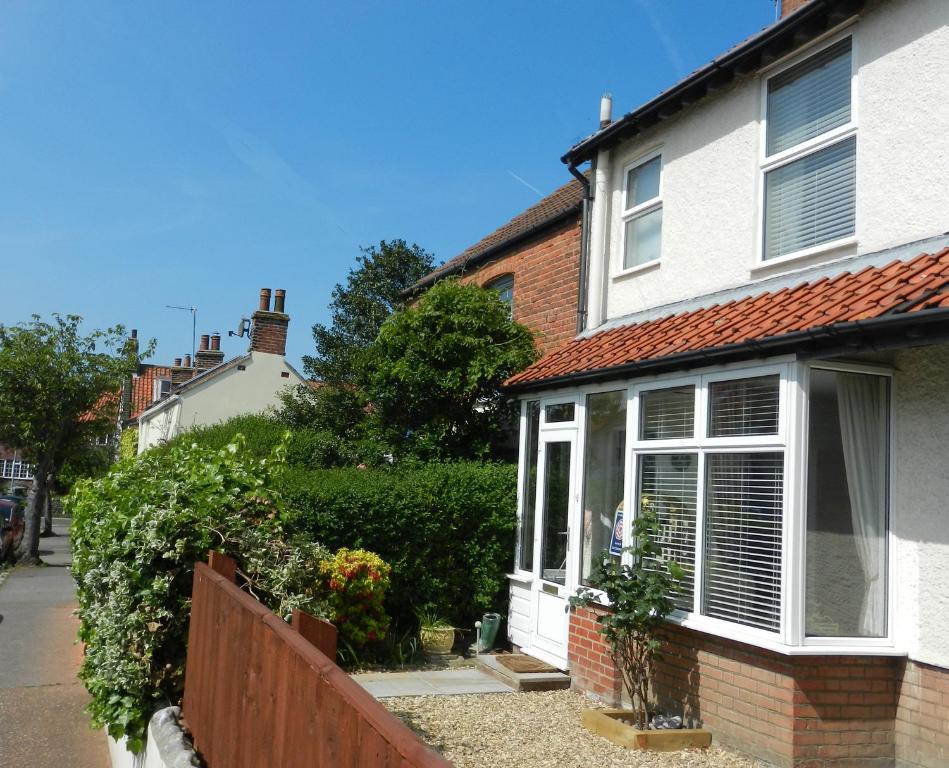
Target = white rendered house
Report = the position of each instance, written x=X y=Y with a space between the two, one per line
x=766 y=365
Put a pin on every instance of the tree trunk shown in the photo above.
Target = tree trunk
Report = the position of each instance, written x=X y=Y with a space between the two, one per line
x=48 y=516
x=29 y=550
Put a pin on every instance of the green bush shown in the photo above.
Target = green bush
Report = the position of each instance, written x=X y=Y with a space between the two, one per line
x=447 y=530
x=137 y=534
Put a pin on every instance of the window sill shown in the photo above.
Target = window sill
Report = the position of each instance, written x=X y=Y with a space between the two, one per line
x=638 y=269
x=769 y=642
x=521 y=578
x=802 y=255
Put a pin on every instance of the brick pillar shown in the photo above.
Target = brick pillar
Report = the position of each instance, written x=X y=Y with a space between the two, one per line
x=591 y=667
x=209 y=354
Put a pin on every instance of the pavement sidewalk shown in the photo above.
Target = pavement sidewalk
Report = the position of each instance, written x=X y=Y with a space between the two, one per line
x=42 y=723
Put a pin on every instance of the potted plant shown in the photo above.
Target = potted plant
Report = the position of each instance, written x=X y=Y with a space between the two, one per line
x=638 y=602
x=436 y=634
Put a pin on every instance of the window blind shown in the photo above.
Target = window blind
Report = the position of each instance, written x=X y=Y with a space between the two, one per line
x=809 y=99
x=667 y=414
x=744 y=407
x=811 y=200
x=667 y=486
x=743 y=522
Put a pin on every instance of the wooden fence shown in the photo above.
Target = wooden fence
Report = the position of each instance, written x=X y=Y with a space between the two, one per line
x=258 y=692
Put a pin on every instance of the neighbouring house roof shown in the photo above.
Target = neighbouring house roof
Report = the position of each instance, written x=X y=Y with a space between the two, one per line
x=143 y=387
x=556 y=206
x=803 y=25
x=849 y=310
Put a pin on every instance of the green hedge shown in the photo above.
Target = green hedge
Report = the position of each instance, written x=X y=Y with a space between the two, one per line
x=447 y=530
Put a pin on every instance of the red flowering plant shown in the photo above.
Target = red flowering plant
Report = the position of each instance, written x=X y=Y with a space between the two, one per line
x=355 y=583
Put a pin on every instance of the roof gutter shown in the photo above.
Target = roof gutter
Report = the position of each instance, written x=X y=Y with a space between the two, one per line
x=887 y=332
x=808 y=22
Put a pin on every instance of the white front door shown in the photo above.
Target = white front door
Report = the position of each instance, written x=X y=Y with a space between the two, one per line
x=552 y=568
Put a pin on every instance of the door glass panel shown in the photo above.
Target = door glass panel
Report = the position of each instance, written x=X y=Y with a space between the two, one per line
x=556 y=508
x=525 y=533
x=558 y=413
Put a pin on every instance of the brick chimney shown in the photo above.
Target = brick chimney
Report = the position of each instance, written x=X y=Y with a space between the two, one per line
x=268 y=331
x=790 y=6
x=209 y=354
x=181 y=372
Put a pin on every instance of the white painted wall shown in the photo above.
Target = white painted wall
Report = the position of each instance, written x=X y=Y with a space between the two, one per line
x=711 y=172
x=224 y=395
x=920 y=516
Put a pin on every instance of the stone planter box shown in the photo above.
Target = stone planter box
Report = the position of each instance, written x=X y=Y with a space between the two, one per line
x=437 y=640
x=609 y=724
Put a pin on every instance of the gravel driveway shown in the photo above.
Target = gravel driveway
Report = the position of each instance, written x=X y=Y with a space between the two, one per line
x=533 y=730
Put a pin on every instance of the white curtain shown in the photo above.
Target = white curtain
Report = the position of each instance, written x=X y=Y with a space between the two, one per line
x=862 y=406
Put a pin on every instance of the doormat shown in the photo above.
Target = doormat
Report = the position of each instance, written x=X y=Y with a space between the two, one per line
x=522 y=664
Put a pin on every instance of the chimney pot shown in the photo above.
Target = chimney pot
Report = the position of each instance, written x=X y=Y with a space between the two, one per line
x=215 y=342
x=187 y=361
x=177 y=362
x=606 y=110
x=135 y=333
x=280 y=296
x=264 y=300
x=790 y=6
x=204 y=342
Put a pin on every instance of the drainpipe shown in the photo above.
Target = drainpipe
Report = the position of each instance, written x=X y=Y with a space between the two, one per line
x=596 y=270
x=584 y=249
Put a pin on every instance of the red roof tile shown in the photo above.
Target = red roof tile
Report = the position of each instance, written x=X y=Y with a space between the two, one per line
x=143 y=387
x=899 y=288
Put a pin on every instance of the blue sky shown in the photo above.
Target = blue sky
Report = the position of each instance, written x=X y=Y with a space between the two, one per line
x=191 y=153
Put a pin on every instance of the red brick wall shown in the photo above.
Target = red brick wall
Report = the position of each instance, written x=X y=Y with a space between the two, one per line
x=269 y=332
x=800 y=711
x=546 y=272
x=922 y=717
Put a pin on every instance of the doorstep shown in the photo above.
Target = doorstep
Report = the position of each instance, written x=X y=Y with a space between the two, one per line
x=523 y=681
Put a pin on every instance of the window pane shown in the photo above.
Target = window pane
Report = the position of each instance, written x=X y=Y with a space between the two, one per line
x=605 y=454
x=642 y=182
x=744 y=407
x=846 y=505
x=556 y=508
x=505 y=288
x=810 y=98
x=666 y=414
x=525 y=546
x=643 y=239
x=667 y=486
x=744 y=498
x=559 y=413
x=812 y=200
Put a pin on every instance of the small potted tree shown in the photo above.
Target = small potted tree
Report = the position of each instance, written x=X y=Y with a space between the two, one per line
x=638 y=602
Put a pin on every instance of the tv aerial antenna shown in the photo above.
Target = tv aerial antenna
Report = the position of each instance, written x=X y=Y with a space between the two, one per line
x=194 y=322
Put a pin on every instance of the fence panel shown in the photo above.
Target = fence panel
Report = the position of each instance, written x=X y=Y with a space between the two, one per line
x=259 y=693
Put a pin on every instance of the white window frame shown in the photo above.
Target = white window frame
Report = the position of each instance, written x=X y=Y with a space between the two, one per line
x=156 y=388
x=770 y=163
x=637 y=211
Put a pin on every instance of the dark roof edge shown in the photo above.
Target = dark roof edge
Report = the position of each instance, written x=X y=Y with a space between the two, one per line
x=849 y=336
x=434 y=276
x=803 y=25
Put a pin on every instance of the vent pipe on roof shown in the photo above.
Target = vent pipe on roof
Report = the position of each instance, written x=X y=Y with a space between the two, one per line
x=606 y=110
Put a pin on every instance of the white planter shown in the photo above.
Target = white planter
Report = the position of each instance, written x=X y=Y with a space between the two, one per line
x=165 y=745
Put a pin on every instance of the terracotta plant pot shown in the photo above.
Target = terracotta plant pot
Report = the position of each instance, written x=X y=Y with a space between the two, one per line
x=611 y=725
x=437 y=639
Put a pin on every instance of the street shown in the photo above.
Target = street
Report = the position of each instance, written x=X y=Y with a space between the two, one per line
x=42 y=722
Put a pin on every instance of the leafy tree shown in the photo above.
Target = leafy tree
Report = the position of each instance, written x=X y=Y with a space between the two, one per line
x=372 y=292
x=433 y=375
x=57 y=394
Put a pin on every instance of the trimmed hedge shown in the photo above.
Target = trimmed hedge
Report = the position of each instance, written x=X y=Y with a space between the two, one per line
x=447 y=530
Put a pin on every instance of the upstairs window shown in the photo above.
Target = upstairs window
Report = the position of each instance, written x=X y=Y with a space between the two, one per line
x=642 y=212
x=504 y=285
x=810 y=154
x=162 y=388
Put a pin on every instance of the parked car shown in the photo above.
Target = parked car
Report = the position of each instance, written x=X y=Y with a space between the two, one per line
x=12 y=524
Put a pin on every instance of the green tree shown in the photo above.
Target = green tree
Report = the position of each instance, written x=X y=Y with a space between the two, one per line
x=58 y=392
x=374 y=290
x=433 y=376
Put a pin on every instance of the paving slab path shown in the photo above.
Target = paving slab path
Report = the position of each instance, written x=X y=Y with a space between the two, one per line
x=42 y=722
x=430 y=682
